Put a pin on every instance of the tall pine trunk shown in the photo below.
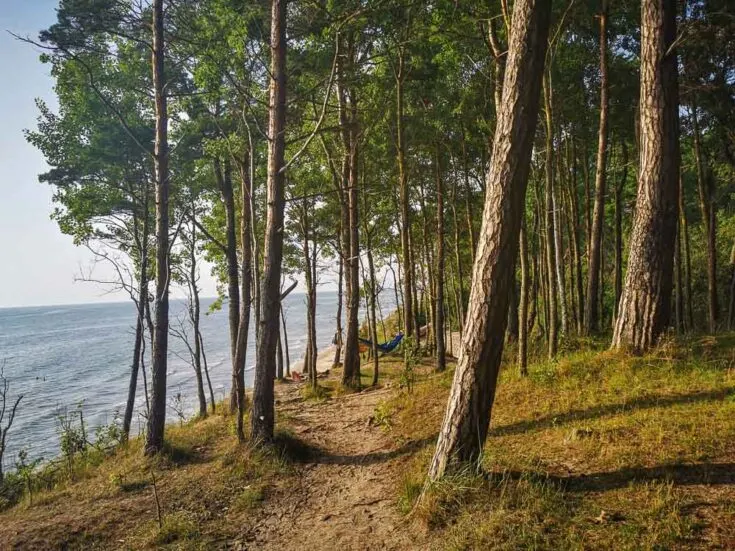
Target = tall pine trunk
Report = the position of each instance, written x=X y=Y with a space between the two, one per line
x=157 y=418
x=263 y=414
x=467 y=415
x=592 y=315
x=645 y=305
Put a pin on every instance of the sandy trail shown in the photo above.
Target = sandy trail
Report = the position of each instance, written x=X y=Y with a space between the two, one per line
x=348 y=491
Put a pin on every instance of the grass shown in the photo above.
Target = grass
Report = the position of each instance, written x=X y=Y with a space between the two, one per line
x=596 y=450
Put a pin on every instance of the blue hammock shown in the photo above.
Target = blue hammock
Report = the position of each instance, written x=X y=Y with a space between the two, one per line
x=386 y=347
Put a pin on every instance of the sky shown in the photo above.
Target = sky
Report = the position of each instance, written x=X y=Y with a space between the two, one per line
x=38 y=264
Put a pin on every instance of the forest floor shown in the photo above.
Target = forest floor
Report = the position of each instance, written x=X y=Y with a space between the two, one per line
x=594 y=450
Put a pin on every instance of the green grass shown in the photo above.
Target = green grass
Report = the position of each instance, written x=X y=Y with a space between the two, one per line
x=595 y=450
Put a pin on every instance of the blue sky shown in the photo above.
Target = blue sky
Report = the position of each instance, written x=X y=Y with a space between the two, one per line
x=38 y=264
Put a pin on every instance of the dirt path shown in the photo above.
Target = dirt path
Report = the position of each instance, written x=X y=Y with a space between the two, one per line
x=348 y=489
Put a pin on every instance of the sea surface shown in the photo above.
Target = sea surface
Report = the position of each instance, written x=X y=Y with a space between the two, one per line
x=61 y=356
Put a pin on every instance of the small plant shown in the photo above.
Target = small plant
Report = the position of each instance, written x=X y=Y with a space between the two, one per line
x=317 y=394
x=382 y=416
x=26 y=470
x=11 y=409
x=176 y=527
x=178 y=404
x=72 y=435
x=249 y=498
x=110 y=436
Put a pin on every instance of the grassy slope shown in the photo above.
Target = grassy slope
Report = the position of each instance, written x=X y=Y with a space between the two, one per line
x=596 y=450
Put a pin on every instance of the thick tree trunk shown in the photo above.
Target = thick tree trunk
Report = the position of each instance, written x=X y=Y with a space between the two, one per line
x=263 y=414
x=441 y=355
x=467 y=416
x=157 y=417
x=592 y=321
x=645 y=305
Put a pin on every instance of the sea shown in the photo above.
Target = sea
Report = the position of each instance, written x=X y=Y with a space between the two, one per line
x=61 y=358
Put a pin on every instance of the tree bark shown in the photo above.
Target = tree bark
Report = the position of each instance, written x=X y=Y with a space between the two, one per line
x=351 y=364
x=157 y=418
x=263 y=415
x=467 y=416
x=645 y=305
x=592 y=322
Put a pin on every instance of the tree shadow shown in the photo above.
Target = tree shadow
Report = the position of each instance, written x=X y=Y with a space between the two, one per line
x=648 y=401
x=300 y=451
x=710 y=474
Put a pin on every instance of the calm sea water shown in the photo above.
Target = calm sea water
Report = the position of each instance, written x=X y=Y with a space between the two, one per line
x=60 y=356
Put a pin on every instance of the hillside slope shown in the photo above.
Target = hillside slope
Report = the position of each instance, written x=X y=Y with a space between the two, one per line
x=593 y=451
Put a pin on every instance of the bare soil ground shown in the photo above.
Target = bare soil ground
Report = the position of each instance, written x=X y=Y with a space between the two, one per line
x=345 y=497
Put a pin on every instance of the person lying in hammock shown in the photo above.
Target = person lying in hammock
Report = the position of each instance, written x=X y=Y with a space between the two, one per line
x=385 y=347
